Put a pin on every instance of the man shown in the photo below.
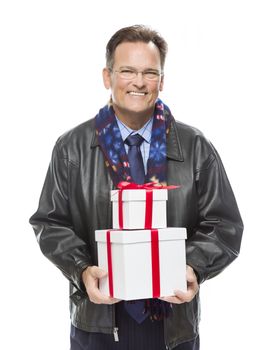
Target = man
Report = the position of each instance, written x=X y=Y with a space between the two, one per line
x=135 y=138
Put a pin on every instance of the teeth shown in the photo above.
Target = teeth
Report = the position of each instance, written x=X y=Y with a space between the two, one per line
x=136 y=93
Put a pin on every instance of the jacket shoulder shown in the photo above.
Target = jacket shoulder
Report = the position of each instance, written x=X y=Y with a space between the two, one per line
x=193 y=141
x=76 y=142
x=188 y=130
x=82 y=132
x=190 y=135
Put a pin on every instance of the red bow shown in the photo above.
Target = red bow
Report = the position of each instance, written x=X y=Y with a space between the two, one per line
x=124 y=185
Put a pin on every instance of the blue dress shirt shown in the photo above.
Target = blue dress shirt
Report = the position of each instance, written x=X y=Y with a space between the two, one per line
x=145 y=132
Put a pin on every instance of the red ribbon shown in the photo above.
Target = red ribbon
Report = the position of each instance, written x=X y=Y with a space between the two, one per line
x=148 y=208
x=120 y=209
x=155 y=263
x=149 y=187
x=109 y=264
x=155 y=258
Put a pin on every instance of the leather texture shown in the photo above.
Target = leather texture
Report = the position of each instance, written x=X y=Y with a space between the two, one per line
x=75 y=201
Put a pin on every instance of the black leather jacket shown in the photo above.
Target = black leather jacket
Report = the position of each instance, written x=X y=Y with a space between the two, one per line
x=75 y=201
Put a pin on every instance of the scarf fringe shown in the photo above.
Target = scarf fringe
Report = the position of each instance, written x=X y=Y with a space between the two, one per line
x=156 y=309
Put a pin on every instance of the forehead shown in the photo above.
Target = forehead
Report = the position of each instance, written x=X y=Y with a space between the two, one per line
x=138 y=54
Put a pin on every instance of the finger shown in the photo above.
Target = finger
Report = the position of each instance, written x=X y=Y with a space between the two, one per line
x=115 y=301
x=98 y=298
x=171 y=299
x=190 y=274
x=191 y=278
x=180 y=297
x=185 y=297
x=97 y=272
x=108 y=300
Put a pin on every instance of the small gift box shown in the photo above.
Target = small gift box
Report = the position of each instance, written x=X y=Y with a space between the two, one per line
x=141 y=207
x=142 y=263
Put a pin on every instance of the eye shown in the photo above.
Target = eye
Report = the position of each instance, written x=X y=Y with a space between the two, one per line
x=152 y=75
x=126 y=71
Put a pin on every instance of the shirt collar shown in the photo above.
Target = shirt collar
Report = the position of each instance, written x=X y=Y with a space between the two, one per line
x=145 y=131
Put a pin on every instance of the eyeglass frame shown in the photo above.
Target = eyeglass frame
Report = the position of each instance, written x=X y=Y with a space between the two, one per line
x=136 y=72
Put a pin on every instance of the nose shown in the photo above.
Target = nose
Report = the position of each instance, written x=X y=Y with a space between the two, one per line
x=139 y=80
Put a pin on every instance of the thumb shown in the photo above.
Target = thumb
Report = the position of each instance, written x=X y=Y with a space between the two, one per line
x=97 y=272
x=190 y=275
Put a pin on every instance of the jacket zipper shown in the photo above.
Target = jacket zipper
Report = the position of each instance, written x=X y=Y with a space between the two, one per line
x=115 y=334
x=115 y=329
x=164 y=335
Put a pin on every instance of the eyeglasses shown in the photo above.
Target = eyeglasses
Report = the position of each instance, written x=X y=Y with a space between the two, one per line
x=130 y=74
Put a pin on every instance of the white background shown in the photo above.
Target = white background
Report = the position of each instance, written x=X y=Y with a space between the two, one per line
x=218 y=78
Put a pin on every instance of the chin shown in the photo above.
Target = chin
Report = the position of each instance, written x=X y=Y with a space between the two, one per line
x=140 y=111
x=139 y=108
x=136 y=109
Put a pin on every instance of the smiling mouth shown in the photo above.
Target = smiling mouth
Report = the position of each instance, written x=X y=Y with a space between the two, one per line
x=137 y=93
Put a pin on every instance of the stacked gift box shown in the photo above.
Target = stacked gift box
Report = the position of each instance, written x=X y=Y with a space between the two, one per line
x=143 y=257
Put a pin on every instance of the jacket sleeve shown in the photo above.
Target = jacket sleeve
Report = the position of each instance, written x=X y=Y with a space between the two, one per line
x=53 y=225
x=216 y=239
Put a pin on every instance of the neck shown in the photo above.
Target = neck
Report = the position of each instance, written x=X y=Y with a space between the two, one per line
x=133 y=120
x=134 y=124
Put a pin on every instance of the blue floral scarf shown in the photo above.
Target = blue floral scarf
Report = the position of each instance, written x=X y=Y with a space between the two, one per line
x=112 y=145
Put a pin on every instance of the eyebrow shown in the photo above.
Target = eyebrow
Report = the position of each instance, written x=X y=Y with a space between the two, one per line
x=145 y=70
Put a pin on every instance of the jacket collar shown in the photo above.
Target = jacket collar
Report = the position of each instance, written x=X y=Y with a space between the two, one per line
x=173 y=146
x=94 y=141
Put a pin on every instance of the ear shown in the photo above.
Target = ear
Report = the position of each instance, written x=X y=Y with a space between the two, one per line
x=161 y=83
x=106 y=78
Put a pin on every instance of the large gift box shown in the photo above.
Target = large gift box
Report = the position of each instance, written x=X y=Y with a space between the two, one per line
x=139 y=208
x=142 y=263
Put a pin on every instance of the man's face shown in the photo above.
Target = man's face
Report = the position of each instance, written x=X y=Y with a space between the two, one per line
x=135 y=96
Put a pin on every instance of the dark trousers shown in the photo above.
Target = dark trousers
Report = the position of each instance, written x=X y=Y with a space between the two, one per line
x=132 y=336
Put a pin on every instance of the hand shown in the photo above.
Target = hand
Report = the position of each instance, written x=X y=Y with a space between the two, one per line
x=192 y=288
x=90 y=278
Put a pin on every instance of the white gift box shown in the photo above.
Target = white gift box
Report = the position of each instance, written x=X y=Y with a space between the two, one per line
x=128 y=257
x=134 y=209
